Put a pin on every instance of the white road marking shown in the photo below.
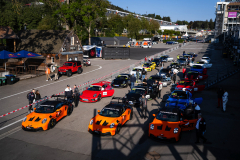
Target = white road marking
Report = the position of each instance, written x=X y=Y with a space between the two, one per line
x=11 y=124
x=8 y=133
x=100 y=67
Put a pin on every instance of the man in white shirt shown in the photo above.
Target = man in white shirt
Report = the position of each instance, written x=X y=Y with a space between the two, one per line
x=225 y=100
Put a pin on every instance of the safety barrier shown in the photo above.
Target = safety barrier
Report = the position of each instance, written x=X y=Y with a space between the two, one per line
x=111 y=75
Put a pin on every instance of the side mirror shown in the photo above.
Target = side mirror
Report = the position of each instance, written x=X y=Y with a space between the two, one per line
x=154 y=115
x=86 y=87
x=34 y=109
x=98 y=111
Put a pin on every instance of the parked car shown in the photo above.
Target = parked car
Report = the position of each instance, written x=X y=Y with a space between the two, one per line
x=86 y=62
x=206 y=59
x=70 y=67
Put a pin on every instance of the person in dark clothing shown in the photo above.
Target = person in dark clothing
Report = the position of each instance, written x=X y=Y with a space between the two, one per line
x=132 y=80
x=168 y=74
x=200 y=128
x=31 y=97
x=68 y=93
x=76 y=95
x=184 y=53
x=156 y=88
x=145 y=81
x=144 y=106
x=144 y=73
x=174 y=77
x=220 y=93
x=37 y=96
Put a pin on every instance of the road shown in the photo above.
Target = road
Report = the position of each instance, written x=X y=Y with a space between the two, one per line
x=69 y=139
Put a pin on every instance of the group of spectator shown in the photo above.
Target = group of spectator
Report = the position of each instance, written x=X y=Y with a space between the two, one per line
x=48 y=72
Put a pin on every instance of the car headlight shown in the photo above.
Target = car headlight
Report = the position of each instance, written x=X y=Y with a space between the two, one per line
x=91 y=122
x=24 y=119
x=94 y=95
x=175 y=131
x=112 y=125
x=44 y=120
x=152 y=127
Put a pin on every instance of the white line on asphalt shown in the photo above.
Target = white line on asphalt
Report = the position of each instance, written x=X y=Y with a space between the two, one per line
x=100 y=67
x=11 y=124
x=10 y=132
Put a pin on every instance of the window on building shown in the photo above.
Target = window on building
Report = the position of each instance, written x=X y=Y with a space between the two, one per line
x=72 y=40
x=219 y=7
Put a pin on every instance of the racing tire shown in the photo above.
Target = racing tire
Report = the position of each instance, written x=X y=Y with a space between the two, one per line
x=69 y=73
x=118 y=129
x=131 y=115
x=126 y=85
x=51 y=123
x=99 y=97
x=79 y=70
x=70 y=110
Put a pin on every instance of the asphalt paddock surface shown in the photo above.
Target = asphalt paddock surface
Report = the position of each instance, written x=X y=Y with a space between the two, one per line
x=140 y=53
x=69 y=139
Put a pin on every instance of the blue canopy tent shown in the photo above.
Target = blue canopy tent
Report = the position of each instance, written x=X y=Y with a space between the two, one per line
x=26 y=54
x=7 y=55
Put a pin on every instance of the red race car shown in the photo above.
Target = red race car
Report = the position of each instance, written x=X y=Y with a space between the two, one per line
x=189 y=85
x=195 y=76
x=96 y=92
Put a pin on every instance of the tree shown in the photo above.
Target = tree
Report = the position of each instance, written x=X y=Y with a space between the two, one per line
x=115 y=23
x=158 y=17
x=48 y=23
x=133 y=25
x=145 y=24
x=154 y=25
x=211 y=24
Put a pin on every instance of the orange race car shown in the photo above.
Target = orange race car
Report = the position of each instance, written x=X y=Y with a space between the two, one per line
x=111 y=118
x=170 y=122
x=46 y=114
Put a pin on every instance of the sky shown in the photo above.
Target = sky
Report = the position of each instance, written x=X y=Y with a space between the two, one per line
x=189 y=10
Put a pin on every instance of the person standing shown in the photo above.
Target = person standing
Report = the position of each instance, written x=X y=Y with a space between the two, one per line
x=174 y=77
x=48 y=73
x=225 y=100
x=132 y=80
x=143 y=73
x=144 y=106
x=184 y=53
x=145 y=59
x=156 y=88
x=68 y=93
x=137 y=76
x=76 y=95
x=30 y=97
x=184 y=72
x=197 y=109
x=56 y=73
x=160 y=89
x=220 y=93
x=144 y=81
x=200 y=128
x=37 y=96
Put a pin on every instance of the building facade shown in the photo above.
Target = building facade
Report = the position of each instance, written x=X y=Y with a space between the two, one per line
x=221 y=18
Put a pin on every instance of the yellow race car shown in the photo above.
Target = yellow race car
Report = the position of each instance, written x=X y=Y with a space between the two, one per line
x=149 y=66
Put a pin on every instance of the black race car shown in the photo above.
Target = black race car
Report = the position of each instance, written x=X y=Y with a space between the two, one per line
x=157 y=61
x=175 y=65
x=134 y=96
x=182 y=61
x=121 y=81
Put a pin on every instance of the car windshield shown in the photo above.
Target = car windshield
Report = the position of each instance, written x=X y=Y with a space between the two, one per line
x=110 y=112
x=45 y=109
x=182 y=59
x=174 y=64
x=137 y=91
x=156 y=60
x=94 y=88
x=205 y=58
x=121 y=77
x=167 y=116
x=186 y=83
x=146 y=65
x=67 y=64
x=135 y=69
x=164 y=71
x=197 y=67
x=179 y=94
x=192 y=75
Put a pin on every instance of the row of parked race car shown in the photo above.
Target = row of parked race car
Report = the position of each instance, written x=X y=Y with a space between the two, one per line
x=168 y=122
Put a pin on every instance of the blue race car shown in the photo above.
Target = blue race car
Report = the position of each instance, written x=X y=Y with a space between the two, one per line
x=182 y=99
x=199 y=69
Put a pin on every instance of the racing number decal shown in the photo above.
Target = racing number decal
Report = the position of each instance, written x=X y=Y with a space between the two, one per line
x=104 y=93
x=58 y=113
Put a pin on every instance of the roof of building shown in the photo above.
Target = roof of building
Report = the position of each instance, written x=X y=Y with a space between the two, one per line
x=122 y=38
x=104 y=38
x=7 y=33
x=42 y=41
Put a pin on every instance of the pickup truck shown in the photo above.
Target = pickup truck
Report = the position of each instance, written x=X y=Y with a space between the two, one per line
x=70 y=67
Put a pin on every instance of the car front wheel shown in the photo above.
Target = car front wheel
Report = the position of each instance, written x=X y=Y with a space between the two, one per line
x=80 y=70
x=69 y=73
x=51 y=124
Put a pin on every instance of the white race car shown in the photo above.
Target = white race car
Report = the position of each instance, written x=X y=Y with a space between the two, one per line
x=134 y=71
x=202 y=63
x=206 y=59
